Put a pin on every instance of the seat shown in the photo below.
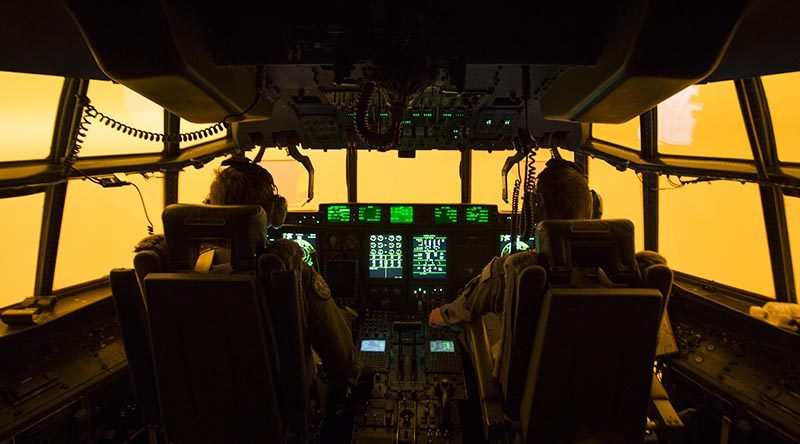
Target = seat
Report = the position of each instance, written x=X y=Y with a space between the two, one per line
x=238 y=233
x=585 y=254
x=283 y=296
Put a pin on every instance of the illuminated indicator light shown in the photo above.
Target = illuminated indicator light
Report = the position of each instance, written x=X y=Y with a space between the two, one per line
x=383 y=114
x=428 y=115
x=455 y=130
x=351 y=113
x=445 y=215
x=401 y=214
x=488 y=121
x=369 y=213
x=477 y=215
x=406 y=122
x=414 y=114
x=339 y=214
x=507 y=122
x=447 y=114
x=459 y=114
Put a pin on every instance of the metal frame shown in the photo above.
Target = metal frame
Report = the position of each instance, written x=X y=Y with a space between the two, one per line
x=648 y=126
x=172 y=126
x=465 y=174
x=68 y=120
x=351 y=174
x=758 y=122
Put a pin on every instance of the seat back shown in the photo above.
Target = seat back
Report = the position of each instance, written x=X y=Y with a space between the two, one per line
x=212 y=346
x=591 y=366
x=132 y=316
x=283 y=296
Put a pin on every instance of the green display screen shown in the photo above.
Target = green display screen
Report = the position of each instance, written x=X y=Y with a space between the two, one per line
x=401 y=214
x=369 y=213
x=477 y=215
x=445 y=215
x=339 y=214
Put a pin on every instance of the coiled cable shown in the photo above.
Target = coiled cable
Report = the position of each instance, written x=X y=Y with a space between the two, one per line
x=380 y=140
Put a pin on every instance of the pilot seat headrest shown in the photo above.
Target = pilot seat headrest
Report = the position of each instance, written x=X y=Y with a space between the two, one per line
x=564 y=246
x=190 y=229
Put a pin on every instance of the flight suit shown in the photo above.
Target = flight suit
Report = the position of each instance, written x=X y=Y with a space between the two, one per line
x=327 y=329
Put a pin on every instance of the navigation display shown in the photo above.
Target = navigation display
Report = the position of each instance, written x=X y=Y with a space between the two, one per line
x=308 y=242
x=369 y=213
x=441 y=346
x=505 y=244
x=386 y=256
x=373 y=345
x=445 y=214
x=401 y=214
x=429 y=257
x=339 y=214
x=477 y=214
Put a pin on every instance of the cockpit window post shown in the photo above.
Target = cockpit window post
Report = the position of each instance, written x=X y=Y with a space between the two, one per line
x=351 y=173
x=465 y=173
x=172 y=126
x=648 y=124
x=755 y=112
x=68 y=119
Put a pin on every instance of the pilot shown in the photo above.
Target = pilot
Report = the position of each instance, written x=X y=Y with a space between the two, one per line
x=328 y=331
x=566 y=195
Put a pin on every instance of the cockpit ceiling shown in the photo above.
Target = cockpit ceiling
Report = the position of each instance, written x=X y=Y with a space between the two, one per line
x=102 y=40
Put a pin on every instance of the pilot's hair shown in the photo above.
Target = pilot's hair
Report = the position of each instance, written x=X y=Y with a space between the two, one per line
x=232 y=186
x=565 y=191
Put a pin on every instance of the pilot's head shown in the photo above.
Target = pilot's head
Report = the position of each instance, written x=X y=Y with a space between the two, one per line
x=246 y=183
x=564 y=192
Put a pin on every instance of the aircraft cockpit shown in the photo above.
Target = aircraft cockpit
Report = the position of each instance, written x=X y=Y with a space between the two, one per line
x=407 y=141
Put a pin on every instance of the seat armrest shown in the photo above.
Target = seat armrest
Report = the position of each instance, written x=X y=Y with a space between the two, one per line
x=661 y=409
x=481 y=356
x=477 y=337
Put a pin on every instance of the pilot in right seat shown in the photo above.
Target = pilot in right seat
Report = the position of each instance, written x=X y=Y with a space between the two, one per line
x=566 y=195
x=328 y=331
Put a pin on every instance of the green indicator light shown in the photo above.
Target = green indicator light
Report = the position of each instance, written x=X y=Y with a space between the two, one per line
x=477 y=215
x=455 y=130
x=383 y=114
x=507 y=122
x=447 y=114
x=445 y=215
x=339 y=214
x=401 y=214
x=369 y=213
x=459 y=114
x=488 y=121
x=428 y=115
x=351 y=113
x=414 y=114
x=406 y=122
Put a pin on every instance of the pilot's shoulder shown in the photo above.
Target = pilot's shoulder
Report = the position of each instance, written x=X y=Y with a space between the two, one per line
x=647 y=258
x=519 y=261
x=288 y=251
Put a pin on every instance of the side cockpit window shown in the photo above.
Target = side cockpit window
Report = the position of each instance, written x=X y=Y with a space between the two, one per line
x=101 y=226
x=783 y=94
x=28 y=106
x=22 y=221
x=716 y=231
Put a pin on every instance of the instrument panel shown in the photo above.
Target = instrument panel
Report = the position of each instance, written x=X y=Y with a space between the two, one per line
x=400 y=257
x=394 y=263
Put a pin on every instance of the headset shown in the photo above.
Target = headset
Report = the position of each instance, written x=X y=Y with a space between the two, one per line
x=540 y=211
x=277 y=207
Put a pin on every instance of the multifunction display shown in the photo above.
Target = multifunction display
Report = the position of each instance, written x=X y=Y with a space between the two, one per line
x=386 y=256
x=308 y=242
x=429 y=256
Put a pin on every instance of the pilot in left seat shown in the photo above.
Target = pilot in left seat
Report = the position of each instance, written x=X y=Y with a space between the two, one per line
x=246 y=183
